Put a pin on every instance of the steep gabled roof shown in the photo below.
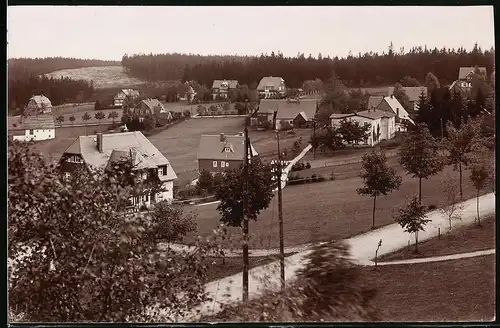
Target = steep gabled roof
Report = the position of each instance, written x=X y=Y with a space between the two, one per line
x=370 y=114
x=117 y=145
x=151 y=103
x=211 y=147
x=232 y=84
x=374 y=101
x=289 y=109
x=397 y=108
x=464 y=71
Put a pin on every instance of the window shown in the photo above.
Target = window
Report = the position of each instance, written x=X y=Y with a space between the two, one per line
x=144 y=176
x=222 y=164
x=227 y=164
x=74 y=159
x=470 y=85
x=31 y=132
x=464 y=84
x=227 y=149
x=66 y=175
x=164 y=170
x=145 y=198
x=214 y=163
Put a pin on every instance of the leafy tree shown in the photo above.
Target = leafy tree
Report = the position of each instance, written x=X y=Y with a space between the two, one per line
x=460 y=145
x=72 y=119
x=352 y=131
x=60 y=119
x=113 y=116
x=213 y=109
x=480 y=176
x=186 y=113
x=230 y=192
x=412 y=218
x=431 y=82
x=378 y=178
x=205 y=181
x=452 y=196
x=226 y=108
x=85 y=118
x=149 y=122
x=99 y=116
x=419 y=155
x=201 y=110
x=97 y=105
x=327 y=138
x=171 y=221
x=409 y=81
x=90 y=261
x=240 y=108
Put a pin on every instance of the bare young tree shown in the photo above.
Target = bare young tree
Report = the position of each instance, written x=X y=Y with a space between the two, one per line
x=452 y=211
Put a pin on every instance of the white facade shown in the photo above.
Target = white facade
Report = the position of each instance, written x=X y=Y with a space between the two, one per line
x=36 y=135
x=387 y=127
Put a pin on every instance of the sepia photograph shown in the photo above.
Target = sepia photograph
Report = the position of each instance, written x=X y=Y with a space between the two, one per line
x=229 y=164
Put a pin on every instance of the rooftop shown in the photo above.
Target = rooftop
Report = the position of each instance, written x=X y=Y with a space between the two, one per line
x=213 y=146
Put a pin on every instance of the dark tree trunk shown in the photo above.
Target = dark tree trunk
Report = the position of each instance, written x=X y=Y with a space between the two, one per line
x=416 y=241
x=477 y=207
x=420 y=189
x=460 y=170
x=373 y=217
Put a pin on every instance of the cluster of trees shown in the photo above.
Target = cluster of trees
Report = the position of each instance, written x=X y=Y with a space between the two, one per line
x=423 y=156
x=76 y=256
x=369 y=69
x=59 y=91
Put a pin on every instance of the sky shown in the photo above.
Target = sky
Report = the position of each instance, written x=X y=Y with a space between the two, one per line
x=110 y=32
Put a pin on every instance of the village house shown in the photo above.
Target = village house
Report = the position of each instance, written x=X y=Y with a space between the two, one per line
x=221 y=88
x=382 y=124
x=218 y=153
x=391 y=104
x=464 y=83
x=413 y=94
x=101 y=150
x=271 y=87
x=36 y=122
x=38 y=104
x=32 y=128
x=119 y=99
x=151 y=107
x=299 y=113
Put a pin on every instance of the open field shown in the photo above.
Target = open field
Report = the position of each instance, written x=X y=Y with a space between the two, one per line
x=103 y=77
x=180 y=142
x=332 y=210
x=457 y=290
x=463 y=240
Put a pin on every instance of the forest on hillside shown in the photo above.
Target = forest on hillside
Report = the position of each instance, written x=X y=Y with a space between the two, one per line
x=22 y=68
x=362 y=70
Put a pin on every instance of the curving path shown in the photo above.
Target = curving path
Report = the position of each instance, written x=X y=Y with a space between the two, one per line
x=228 y=290
x=439 y=258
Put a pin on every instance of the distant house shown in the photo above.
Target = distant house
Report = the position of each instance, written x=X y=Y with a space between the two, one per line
x=221 y=88
x=463 y=84
x=271 y=87
x=119 y=99
x=391 y=104
x=38 y=104
x=32 y=128
x=382 y=124
x=218 y=153
x=298 y=113
x=413 y=94
x=151 y=107
x=101 y=150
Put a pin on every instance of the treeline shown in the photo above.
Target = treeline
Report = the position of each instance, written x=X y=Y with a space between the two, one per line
x=22 y=68
x=363 y=70
x=59 y=91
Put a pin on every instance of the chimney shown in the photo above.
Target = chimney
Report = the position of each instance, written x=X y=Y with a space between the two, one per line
x=222 y=137
x=392 y=96
x=397 y=112
x=99 y=142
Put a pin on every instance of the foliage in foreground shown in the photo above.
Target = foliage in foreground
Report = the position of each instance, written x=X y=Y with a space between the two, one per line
x=76 y=257
x=328 y=288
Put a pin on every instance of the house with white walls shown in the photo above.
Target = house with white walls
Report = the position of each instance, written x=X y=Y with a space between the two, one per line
x=32 y=128
x=391 y=105
x=382 y=124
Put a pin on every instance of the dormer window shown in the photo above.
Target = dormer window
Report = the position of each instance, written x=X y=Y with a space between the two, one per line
x=227 y=149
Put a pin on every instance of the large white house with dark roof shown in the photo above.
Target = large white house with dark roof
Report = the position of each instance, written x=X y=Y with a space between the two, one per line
x=99 y=151
x=35 y=124
x=271 y=87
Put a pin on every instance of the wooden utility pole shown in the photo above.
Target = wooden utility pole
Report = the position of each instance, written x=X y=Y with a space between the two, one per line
x=280 y=211
x=245 y=217
x=314 y=138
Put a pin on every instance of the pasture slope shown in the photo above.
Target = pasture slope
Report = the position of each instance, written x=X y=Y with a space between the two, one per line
x=103 y=77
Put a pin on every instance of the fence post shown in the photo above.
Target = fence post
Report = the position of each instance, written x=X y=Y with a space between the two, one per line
x=439 y=232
